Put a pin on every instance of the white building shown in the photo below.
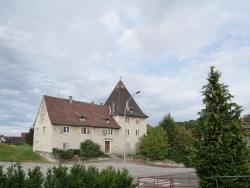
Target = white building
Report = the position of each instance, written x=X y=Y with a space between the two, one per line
x=65 y=123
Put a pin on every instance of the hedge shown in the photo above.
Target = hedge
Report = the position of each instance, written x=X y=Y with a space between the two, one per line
x=61 y=176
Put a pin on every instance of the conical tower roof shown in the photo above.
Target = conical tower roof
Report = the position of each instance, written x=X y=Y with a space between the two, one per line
x=117 y=102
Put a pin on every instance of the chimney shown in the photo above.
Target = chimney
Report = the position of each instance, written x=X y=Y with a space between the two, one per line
x=101 y=103
x=70 y=99
x=23 y=135
x=92 y=102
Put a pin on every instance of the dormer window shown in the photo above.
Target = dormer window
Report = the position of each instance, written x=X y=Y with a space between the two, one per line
x=106 y=119
x=131 y=109
x=81 y=116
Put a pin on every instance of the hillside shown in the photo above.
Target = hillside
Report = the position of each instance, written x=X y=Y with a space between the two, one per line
x=18 y=153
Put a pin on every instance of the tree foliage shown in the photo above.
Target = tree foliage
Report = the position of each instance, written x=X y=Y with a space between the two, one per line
x=220 y=145
x=30 y=136
x=183 y=143
x=191 y=124
x=168 y=124
x=154 y=145
x=179 y=140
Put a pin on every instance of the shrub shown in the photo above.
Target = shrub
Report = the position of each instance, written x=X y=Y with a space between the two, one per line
x=15 y=176
x=35 y=178
x=2 y=177
x=77 y=176
x=56 y=150
x=90 y=149
x=61 y=176
x=67 y=154
x=76 y=152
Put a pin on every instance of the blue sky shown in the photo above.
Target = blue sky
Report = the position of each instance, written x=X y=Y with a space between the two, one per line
x=82 y=48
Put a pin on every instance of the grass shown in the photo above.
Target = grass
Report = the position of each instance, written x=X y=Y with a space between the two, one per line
x=18 y=153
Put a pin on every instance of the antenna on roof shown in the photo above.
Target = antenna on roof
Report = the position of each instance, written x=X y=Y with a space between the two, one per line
x=120 y=78
x=59 y=91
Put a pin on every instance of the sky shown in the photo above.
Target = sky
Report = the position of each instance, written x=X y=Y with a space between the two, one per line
x=81 y=48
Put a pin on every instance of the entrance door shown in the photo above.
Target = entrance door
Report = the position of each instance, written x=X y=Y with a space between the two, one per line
x=107 y=146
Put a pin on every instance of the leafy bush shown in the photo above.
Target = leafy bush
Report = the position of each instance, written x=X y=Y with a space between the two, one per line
x=65 y=154
x=56 y=150
x=76 y=152
x=90 y=149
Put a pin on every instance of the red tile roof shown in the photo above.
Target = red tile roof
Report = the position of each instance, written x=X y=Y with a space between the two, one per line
x=62 y=112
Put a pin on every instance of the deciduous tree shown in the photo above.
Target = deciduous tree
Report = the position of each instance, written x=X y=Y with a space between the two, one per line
x=30 y=136
x=154 y=145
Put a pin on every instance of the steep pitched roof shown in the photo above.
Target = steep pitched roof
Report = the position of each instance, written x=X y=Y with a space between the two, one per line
x=117 y=102
x=63 y=112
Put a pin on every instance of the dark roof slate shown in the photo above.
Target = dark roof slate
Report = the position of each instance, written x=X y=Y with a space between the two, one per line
x=117 y=101
x=62 y=112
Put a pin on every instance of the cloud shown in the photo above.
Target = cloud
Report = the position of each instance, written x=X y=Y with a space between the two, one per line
x=162 y=48
x=111 y=21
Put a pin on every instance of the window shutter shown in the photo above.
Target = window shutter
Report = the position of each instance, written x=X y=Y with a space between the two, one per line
x=104 y=132
x=88 y=130
x=61 y=130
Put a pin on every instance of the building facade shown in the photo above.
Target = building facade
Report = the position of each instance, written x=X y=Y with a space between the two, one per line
x=65 y=123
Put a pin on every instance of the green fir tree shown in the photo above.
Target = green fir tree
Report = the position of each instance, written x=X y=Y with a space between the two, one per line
x=220 y=146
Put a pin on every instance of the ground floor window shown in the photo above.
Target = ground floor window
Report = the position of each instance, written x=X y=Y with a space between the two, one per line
x=128 y=145
x=66 y=145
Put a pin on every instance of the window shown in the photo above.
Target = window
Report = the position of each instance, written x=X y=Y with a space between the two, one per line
x=82 y=118
x=65 y=130
x=127 y=119
x=44 y=130
x=127 y=132
x=85 y=130
x=66 y=145
x=107 y=132
x=137 y=132
x=137 y=120
x=128 y=145
x=106 y=119
x=131 y=109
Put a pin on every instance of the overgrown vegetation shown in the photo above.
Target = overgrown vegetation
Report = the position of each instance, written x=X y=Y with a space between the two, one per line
x=61 y=176
x=220 y=147
x=18 y=153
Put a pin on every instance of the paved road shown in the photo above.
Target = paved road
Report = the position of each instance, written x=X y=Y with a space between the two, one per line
x=135 y=169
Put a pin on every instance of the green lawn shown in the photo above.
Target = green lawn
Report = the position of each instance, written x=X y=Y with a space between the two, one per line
x=21 y=153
